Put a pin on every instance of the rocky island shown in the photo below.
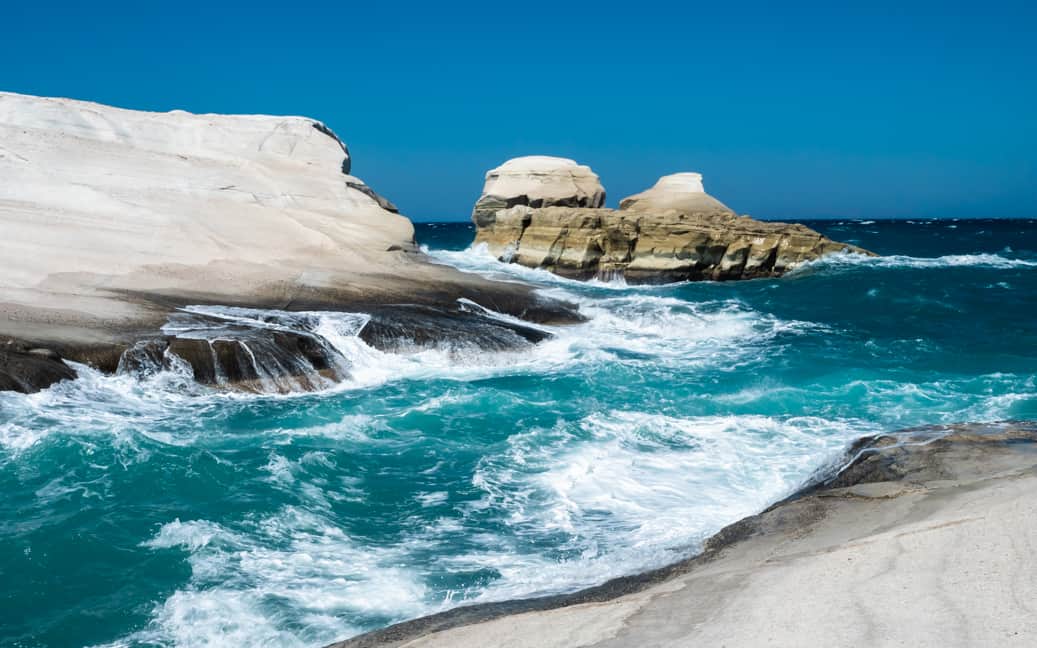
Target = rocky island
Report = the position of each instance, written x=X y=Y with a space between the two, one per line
x=547 y=212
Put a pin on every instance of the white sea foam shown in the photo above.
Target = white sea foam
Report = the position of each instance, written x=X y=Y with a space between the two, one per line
x=120 y=407
x=845 y=261
x=292 y=579
x=656 y=327
x=478 y=259
x=637 y=490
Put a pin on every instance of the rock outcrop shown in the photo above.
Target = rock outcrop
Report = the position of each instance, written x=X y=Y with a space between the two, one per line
x=533 y=181
x=673 y=231
x=681 y=191
x=30 y=369
x=112 y=219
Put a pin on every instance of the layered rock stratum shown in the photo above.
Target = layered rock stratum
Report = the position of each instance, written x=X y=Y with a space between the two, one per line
x=673 y=231
x=111 y=219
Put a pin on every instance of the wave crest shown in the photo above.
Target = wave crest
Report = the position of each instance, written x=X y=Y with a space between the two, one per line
x=844 y=261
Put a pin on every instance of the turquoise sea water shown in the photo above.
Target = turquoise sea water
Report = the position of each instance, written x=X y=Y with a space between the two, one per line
x=158 y=512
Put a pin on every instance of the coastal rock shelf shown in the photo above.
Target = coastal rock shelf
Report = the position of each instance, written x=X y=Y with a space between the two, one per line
x=673 y=231
x=112 y=219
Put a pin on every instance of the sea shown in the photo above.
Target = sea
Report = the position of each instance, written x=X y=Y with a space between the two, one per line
x=153 y=511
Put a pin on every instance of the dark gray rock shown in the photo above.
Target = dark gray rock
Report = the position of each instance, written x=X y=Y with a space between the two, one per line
x=466 y=327
x=29 y=370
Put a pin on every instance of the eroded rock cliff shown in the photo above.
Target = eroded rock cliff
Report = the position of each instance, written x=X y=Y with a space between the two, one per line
x=113 y=219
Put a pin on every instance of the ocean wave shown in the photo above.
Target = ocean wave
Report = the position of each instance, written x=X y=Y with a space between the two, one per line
x=478 y=259
x=439 y=476
x=629 y=490
x=845 y=261
x=290 y=579
x=894 y=404
x=642 y=328
x=633 y=490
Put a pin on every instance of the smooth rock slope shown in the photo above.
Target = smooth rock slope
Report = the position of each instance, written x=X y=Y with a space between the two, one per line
x=113 y=218
x=673 y=231
x=927 y=538
x=681 y=191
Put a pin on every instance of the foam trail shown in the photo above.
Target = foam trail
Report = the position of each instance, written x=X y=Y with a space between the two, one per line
x=316 y=574
x=634 y=490
x=845 y=261
x=478 y=259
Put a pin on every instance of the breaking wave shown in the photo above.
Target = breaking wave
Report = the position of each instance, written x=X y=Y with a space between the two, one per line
x=437 y=476
x=843 y=261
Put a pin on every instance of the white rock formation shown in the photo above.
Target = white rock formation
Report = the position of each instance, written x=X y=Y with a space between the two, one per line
x=681 y=191
x=110 y=218
x=540 y=181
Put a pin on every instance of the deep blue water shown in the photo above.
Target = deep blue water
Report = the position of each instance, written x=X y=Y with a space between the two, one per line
x=159 y=512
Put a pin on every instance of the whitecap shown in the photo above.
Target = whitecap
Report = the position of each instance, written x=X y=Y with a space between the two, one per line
x=843 y=261
x=291 y=579
x=635 y=490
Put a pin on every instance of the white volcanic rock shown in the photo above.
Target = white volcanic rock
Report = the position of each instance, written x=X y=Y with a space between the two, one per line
x=99 y=202
x=540 y=181
x=110 y=218
x=681 y=191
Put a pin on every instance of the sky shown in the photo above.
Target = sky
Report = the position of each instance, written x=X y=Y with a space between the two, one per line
x=790 y=110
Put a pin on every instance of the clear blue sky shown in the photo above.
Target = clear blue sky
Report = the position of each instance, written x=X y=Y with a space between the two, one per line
x=790 y=109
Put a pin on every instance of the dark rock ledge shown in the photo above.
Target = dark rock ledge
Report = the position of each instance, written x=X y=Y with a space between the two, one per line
x=29 y=369
x=244 y=358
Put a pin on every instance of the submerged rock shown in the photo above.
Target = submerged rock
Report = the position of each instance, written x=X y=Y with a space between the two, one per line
x=274 y=351
x=673 y=231
x=29 y=370
x=468 y=327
